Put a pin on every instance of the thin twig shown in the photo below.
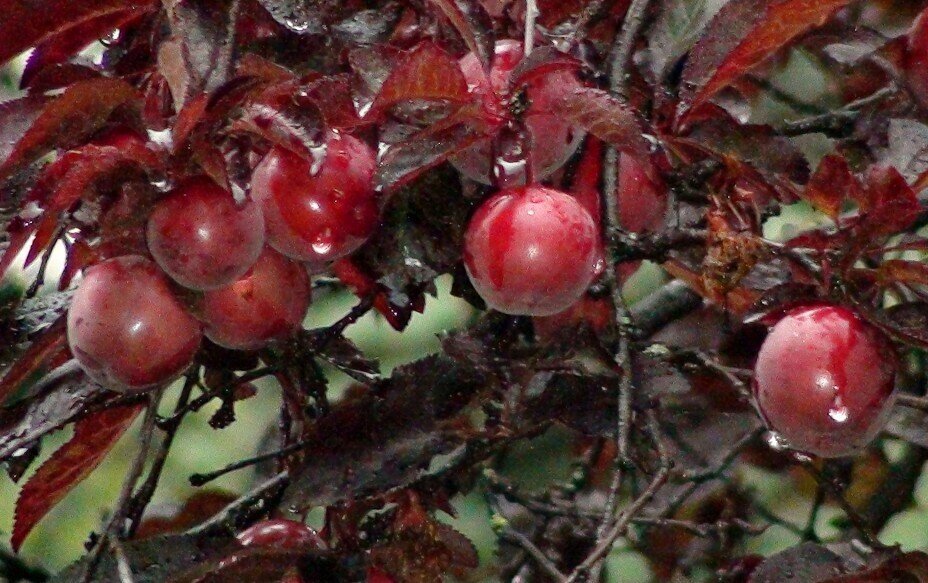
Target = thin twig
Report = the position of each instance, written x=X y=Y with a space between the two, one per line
x=144 y=494
x=116 y=527
x=531 y=14
x=515 y=537
x=835 y=490
x=254 y=502
x=621 y=54
x=201 y=479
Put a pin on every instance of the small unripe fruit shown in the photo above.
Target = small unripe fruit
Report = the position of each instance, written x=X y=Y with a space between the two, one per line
x=202 y=238
x=825 y=380
x=318 y=210
x=532 y=251
x=552 y=139
x=282 y=534
x=267 y=303
x=126 y=328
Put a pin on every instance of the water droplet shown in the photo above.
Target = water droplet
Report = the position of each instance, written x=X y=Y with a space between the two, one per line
x=323 y=243
x=776 y=441
x=318 y=154
x=296 y=25
x=839 y=414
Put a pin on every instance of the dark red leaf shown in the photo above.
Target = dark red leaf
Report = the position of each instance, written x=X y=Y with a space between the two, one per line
x=61 y=76
x=42 y=351
x=607 y=118
x=889 y=202
x=832 y=184
x=474 y=24
x=404 y=161
x=897 y=567
x=901 y=271
x=26 y=24
x=68 y=120
x=427 y=72
x=15 y=118
x=333 y=97
x=543 y=61
x=742 y=36
x=63 y=46
x=93 y=438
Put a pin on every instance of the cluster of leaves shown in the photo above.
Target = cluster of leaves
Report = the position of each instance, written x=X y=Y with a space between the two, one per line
x=655 y=398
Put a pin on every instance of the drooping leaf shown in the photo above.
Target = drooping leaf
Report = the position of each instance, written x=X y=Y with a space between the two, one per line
x=606 y=117
x=742 y=36
x=889 y=203
x=27 y=24
x=72 y=117
x=427 y=72
x=93 y=438
x=473 y=23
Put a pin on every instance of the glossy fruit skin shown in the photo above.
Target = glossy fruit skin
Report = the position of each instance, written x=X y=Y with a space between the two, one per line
x=552 y=139
x=268 y=303
x=825 y=380
x=915 y=60
x=126 y=328
x=318 y=211
x=280 y=533
x=202 y=238
x=532 y=251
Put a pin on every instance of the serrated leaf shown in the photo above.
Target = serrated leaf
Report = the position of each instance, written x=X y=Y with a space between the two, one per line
x=93 y=439
x=606 y=117
x=744 y=34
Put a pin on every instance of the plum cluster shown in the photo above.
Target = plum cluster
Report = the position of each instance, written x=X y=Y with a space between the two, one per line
x=245 y=265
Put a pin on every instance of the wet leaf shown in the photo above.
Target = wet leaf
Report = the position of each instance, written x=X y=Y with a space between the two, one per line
x=678 y=27
x=93 y=438
x=427 y=72
x=27 y=24
x=606 y=117
x=405 y=161
x=742 y=36
x=66 y=44
x=65 y=393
